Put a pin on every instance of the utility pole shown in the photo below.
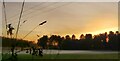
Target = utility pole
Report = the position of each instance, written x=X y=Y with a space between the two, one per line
x=20 y=19
x=5 y=15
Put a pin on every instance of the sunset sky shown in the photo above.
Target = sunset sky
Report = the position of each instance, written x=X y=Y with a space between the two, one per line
x=63 y=18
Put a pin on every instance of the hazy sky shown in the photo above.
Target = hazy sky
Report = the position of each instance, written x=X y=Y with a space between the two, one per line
x=63 y=18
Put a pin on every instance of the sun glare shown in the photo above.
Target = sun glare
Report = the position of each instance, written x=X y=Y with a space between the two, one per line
x=98 y=32
x=105 y=30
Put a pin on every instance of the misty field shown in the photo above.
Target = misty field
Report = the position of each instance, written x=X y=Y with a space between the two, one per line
x=66 y=56
x=70 y=56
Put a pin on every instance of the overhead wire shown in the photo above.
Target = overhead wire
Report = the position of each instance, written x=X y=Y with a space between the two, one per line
x=15 y=16
x=34 y=29
x=32 y=8
x=44 y=7
x=51 y=9
x=47 y=6
x=43 y=12
x=41 y=8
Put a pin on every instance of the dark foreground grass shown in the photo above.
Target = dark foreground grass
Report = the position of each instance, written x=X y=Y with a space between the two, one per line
x=70 y=56
x=28 y=57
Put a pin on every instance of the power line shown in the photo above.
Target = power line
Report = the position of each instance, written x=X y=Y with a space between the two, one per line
x=48 y=10
x=38 y=9
x=34 y=28
x=42 y=8
x=31 y=8
x=52 y=9
x=20 y=19
x=14 y=16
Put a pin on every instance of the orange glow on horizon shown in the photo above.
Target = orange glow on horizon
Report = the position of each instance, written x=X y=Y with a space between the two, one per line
x=98 y=32
x=73 y=18
x=35 y=38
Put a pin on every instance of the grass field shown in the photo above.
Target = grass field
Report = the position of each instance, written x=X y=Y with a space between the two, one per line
x=64 y=56
x=70 y=56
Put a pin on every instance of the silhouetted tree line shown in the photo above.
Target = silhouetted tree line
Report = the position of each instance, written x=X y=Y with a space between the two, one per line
x=10 y=42
x=13 y=43
x=102 y=41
